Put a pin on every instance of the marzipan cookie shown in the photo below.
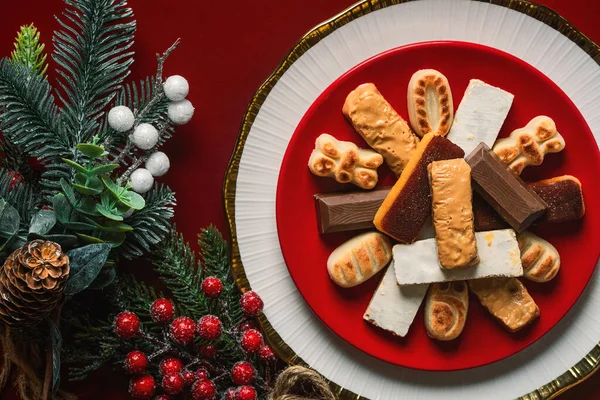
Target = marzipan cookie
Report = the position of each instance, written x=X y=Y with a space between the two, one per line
x=539 y=258
x=446 y=309
x=359 y=258
x=345 y=162
x=430 y=107
x=528 y=145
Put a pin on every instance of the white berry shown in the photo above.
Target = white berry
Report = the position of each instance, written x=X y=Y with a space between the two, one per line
x=145 y=136
x=120 y=118
x=176 y=87
x=180 y=112
x=158 y=163
x=141 y=180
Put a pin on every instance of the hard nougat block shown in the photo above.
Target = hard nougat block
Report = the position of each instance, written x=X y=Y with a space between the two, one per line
x=380 y=125
x=408 y=205
x=393 y=308
x=499 y=255
x=452 y=211
x=516 y=203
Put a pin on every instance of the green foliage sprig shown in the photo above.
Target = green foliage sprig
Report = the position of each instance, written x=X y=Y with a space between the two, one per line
x=29 y=51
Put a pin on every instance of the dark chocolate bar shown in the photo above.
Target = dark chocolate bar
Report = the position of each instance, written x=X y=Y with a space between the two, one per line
x=516 y=203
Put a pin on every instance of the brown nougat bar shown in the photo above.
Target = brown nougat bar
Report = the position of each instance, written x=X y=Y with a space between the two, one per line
x=408 y=205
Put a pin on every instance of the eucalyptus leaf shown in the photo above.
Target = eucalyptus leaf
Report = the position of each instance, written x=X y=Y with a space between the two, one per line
x=68 y=192
x=87 y=206
x=9 y=222
x=85 y=263
x=106 y=276
x=62 y=208
x=75 y=165
x=65 y=241
x=56 y=338
x=133 y=200
x=91 y=150
x=115 y=226
x=42 y=222
x=115 y=189
x=104 y=169
x=109 y=213
x=86 y=190
x=89 y=239
x=114 y=238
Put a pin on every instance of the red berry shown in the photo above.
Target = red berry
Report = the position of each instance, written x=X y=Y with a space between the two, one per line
x=163 y=397
x=251 y=303
x=202 y=374
x=171 y=365
x=247 y=324
x=136 y=362
x=230 y=394
x=172 y=383
x=208 y=350
x=242 y=373
x=209 y=327
x=162 y=310
x=246 y=393
x=212 y=287
x=266 y=353
x=16 y=180
x=204 y=390
x=188 y=377
x=127 y=325
x=251 y=341
x=183 y=330
x=142 y=387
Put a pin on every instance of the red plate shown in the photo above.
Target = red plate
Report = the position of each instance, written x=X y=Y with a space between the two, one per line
x=305 y=251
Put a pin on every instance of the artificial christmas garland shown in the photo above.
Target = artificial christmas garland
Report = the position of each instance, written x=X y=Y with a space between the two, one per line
x=78 y=196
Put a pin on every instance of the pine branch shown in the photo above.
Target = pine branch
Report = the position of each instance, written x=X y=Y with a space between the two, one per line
x=29 y=51
x=29 y=119
x=21 y=195
x=93 y=54
x=215 y=260
x=151 y=225
x=176 y=265
x=14 y=159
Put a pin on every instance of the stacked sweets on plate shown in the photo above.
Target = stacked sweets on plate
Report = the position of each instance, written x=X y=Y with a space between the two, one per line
x=459 y=211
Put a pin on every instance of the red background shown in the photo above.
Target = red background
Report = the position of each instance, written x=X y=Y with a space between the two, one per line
x=228 y=49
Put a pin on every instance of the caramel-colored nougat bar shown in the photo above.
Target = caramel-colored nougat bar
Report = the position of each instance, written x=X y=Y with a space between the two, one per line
x=407 y=206
x=507 y=300
x=452 y=211
x=380 y=125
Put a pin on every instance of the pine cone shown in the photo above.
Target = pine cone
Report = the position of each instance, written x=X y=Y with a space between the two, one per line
x=32 y=280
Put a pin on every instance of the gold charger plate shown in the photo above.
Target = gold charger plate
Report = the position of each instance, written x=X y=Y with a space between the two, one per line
x=585 y=368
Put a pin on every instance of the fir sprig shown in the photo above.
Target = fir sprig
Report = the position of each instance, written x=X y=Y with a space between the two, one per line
x=93 y=54
x=29 y=51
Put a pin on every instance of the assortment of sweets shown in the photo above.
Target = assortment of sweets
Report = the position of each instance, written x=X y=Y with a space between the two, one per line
x=455 y=219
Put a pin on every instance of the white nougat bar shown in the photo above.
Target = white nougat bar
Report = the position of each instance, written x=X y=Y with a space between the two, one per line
x=393 y=308
x=499 y=255
x=480 y=115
